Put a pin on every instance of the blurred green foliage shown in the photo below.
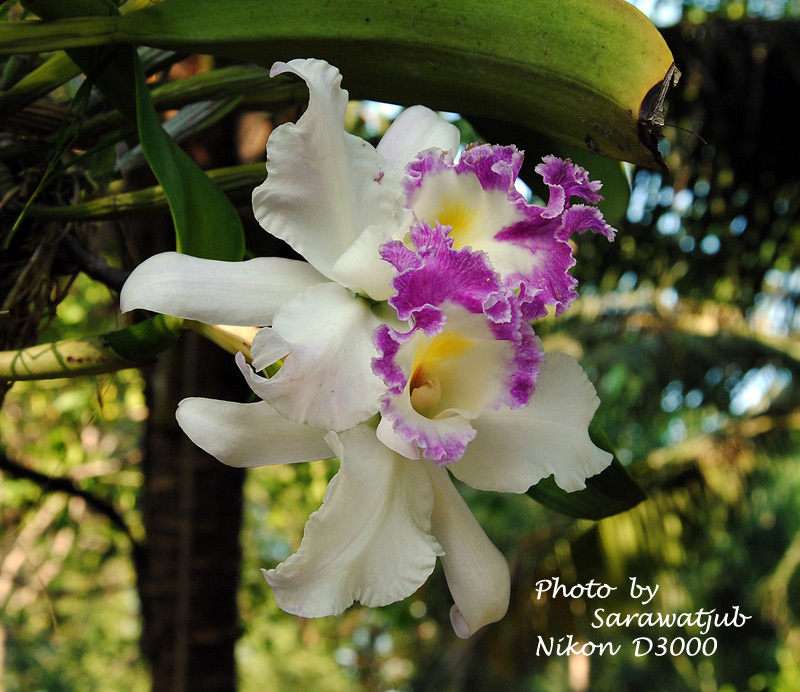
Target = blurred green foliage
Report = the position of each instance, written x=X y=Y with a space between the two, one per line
x=69 y=612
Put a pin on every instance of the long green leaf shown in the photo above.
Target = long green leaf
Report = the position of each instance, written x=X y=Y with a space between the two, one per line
x=608 y=493
x=237 y=182
x=590 y=72
x=251 y=85
x=56 y=71
x=206 y=223
x=50 y=75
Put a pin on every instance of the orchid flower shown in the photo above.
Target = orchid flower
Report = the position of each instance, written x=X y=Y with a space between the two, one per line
x=468 y=349
x=386 y=518
x=527 y=244
x=406 y=344
x=335 y=199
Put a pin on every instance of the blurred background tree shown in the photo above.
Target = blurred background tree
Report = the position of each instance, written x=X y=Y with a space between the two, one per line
x=687 y=326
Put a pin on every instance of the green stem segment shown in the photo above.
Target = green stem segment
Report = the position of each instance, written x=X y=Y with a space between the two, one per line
x=126 y=348
x=236 y=181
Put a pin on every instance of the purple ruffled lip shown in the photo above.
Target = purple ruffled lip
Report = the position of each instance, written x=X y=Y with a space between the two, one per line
x=541 y=232
x=570 y=178
x=496 y=167
x=434 y=273
x=437 y=440
x=435 y=279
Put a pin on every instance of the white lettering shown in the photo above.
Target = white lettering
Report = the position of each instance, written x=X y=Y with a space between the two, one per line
x=567 y=646
x=641 y=640
x=592 y=589
x=541 y=645
x=638 y=592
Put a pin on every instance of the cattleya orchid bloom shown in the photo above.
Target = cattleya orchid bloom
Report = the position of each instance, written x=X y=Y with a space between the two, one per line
x=468 y=348
x=407 y=346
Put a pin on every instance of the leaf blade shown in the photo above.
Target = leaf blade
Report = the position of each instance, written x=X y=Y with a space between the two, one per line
x=589 y=73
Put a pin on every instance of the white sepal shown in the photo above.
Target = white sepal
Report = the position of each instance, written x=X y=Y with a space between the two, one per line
x=245 y=294
x=477 y=573
x=369 y=542
x=248 y=435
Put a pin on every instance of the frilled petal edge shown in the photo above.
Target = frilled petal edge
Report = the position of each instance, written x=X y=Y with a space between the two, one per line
x=514 y=450
x=248 y=435
x=324 y=186
x=237 y=293
x=416 y=129
x=371 y=539
x=326 y=381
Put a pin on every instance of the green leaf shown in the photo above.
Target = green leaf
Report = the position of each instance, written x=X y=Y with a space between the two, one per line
x=608 y=493
x=144 y=341
x=237 y=182
x=206 y=223
x=50 y=75
x=593 y=73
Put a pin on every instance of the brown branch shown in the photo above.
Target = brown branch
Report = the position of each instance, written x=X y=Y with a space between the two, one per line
x=94 y=265
x=56 y=484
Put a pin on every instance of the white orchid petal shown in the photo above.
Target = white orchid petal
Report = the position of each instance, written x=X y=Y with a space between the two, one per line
x=477 y=573
x=235 y=293
x=268 y=347
x=371 y=539
x=326 y=381
x=514 y=450
x=324 y=186
x=248 y=435
x=361 y=267
x=416 y=129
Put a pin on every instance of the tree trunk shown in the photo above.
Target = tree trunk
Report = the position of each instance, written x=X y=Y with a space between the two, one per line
x=191 y=507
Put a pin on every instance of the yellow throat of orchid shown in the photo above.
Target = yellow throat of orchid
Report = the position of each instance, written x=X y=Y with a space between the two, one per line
x=433 y=360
